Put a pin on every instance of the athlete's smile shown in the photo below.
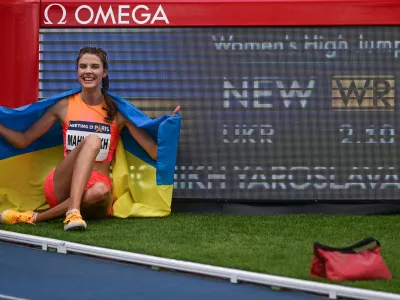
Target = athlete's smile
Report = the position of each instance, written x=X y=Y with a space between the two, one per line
x=90 y=71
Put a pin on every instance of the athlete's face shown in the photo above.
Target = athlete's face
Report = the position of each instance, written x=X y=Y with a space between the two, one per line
x=90 y=71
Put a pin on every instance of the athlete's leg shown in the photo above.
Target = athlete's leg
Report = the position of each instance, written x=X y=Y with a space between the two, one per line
x=73 y=173
x=62 y=177
x=98 y=195
x=82 y=170
x=96 y=203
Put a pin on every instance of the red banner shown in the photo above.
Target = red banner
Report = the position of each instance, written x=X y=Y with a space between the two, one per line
x=106 y=13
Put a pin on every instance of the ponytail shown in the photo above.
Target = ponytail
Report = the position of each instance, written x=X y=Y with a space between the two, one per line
x=111 y=106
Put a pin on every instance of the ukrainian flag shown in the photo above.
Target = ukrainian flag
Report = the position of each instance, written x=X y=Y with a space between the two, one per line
x=142 y=187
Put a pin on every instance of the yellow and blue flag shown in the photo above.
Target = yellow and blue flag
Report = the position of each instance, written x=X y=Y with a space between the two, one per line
x=142 y=187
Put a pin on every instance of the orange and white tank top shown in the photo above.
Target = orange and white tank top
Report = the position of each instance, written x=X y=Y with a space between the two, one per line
x=83 y=120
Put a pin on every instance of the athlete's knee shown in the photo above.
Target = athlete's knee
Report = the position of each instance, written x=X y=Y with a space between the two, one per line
x=92 y=141
x=97 y=194
x=101 y=190
x=96 y=201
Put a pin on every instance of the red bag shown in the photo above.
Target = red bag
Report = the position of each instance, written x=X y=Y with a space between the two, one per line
x=349 y=264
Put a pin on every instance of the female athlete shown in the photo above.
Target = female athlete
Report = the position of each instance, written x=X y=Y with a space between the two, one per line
x=80 y=185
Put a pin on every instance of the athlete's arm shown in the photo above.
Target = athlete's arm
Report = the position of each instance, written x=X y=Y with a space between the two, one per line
x=24 y=139
x=140 y=135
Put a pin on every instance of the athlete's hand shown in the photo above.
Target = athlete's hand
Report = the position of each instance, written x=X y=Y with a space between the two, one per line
x=176 y=111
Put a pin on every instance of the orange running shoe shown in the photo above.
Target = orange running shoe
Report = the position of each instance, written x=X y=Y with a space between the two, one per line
x=74 y=221
x=14 y=217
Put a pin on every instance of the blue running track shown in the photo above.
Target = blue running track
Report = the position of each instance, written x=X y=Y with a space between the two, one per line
x=30 y=273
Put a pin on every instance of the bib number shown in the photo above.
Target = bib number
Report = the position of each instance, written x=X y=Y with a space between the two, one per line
x=78 y=131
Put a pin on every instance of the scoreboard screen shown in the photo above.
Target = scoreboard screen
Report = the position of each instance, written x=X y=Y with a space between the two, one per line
x=268 y=113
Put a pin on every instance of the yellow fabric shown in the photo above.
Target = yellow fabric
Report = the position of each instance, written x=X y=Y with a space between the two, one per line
x=134 y=179
x=22 y=178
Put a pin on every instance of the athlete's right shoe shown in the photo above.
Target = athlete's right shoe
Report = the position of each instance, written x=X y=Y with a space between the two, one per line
x=13 y=217
x=74 y=221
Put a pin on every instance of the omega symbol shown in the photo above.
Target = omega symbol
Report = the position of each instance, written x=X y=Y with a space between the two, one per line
x=46 y=14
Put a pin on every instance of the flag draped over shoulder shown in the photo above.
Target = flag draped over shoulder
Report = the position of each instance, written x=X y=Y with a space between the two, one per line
x=142 y=187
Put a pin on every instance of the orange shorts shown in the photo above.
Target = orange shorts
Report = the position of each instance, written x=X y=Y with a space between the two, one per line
x=49 y=185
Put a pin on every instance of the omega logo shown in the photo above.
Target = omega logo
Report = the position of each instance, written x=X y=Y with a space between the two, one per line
x=113 y=15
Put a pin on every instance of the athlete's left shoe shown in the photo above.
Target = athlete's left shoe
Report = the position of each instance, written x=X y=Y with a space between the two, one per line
x=74 y=221
x=14 y=217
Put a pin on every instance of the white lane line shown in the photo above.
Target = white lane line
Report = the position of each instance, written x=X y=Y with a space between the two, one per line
x=10 y=297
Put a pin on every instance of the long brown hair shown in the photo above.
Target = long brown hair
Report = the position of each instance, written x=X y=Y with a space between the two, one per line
x=105 y=83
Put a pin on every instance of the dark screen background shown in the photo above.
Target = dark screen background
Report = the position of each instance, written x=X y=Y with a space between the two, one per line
x=268 y=114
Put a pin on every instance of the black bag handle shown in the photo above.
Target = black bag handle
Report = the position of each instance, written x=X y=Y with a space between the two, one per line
x=350 y=249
